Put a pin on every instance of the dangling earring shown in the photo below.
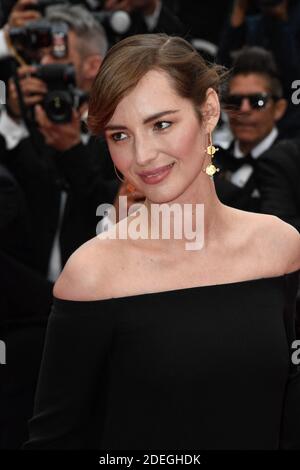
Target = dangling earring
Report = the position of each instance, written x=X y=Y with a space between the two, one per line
x=130 y=188
x=211 y=169
x=118 y=175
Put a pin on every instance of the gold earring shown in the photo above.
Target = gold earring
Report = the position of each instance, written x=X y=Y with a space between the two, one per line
x=211 y=169
x=118 y=175
x=130 y=188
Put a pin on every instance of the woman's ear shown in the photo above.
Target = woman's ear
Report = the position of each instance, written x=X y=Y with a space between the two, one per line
x=210 y=110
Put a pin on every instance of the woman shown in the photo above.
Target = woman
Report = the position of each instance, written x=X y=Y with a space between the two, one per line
x=153 y=345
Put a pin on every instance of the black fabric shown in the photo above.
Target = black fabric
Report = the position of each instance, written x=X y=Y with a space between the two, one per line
x=5 y=9
x=206 y=367
x=200 y=16
x=15 y=233
x=228 y=192
x=85 y=172
x=30 y=187
x=19 y=281
x=7 y=65
x=25 y=300
x=24 y=293
x=279 y=180
x=167 y=23
x=24 y=344
x=244 y=198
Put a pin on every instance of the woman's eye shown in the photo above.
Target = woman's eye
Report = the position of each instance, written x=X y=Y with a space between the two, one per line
x=118 y=136
x=160 y=125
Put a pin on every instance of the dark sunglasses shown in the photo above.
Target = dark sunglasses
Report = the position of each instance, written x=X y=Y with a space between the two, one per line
x=256 y=100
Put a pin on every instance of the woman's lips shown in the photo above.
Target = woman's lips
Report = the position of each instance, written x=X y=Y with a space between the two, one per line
x=156 y=175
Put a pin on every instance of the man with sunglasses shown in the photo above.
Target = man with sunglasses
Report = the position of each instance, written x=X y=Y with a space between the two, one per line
x=254 y=104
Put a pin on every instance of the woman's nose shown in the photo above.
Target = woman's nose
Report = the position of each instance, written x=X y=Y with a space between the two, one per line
x=145 y=151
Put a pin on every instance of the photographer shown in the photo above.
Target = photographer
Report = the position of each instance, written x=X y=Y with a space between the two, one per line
x=65 y=157
x=13 y=14
x=58 y=175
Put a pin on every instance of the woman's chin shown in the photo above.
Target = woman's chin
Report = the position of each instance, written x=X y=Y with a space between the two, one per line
x=162 y=196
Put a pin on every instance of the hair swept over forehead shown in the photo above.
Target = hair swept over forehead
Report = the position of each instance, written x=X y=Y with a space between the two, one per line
x=130 y=59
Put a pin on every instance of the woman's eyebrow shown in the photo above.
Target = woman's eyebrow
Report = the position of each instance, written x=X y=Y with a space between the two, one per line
x=113 y=127
x=159 y=115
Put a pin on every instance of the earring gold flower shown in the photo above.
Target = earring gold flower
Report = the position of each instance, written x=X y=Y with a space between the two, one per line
x=211 y=169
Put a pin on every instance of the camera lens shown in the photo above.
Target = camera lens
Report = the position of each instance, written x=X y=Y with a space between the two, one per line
x=58 y=106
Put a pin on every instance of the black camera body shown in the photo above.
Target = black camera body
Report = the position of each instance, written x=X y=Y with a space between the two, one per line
x=34 y=35
x=38 y=35
x=62 y=96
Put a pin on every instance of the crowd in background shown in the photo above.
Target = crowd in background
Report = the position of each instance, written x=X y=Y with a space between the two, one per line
x=54 y=174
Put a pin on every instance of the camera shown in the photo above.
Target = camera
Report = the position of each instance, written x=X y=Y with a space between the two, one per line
x=114 y=22
x=32 y=36
x=62 y=96
x=40 y=34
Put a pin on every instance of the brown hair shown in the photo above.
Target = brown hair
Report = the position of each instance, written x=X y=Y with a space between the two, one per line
x=130 y=59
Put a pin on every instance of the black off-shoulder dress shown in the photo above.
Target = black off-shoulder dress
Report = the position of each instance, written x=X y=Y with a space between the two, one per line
x=205 y=367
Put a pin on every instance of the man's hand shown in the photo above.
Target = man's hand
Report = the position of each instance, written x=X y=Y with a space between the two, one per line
x=20 y=15
x=33 y=90
x=62 y=137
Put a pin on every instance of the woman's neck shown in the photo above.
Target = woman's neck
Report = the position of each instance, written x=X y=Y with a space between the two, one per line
x=186 y=222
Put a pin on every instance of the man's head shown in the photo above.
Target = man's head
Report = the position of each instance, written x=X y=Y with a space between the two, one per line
x=254 y=97
x=87 y=43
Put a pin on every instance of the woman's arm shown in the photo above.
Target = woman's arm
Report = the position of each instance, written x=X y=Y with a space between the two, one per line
x=72 y=377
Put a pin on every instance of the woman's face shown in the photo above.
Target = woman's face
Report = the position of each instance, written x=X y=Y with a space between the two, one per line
x=156 y=140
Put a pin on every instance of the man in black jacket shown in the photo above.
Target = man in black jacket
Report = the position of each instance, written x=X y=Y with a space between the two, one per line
x=279 y=178
x=255 y=105
x=279 y=175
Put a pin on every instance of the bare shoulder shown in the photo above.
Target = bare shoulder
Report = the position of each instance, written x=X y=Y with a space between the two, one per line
x=99 y=269
x=284 y=241
x=276 y=242
x=88 y=273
